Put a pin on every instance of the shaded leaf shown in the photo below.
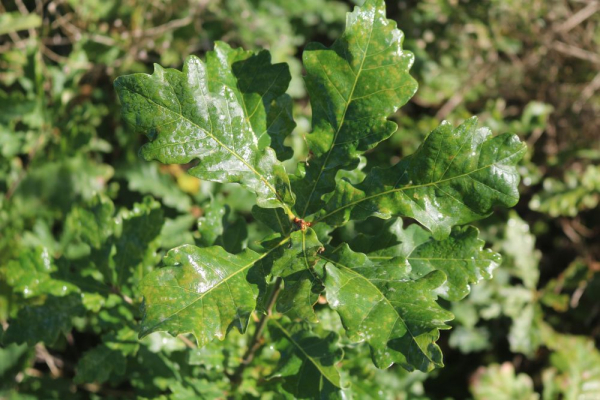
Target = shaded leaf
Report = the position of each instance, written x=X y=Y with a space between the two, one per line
x=297 y=265
x=44 y=323
x=308 y=362
x=456 y=176
x=141 y=226
x=275 y=218
x=99 y=364
x=353 y=87
x=31 y=275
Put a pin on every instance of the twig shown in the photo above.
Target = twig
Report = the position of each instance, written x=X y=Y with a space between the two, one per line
x=51 y=362
x=579 y=17
x=576 y=52
x=159 y=30
x=457 y=98
x=187 y=342
x=256 y=342
x=587 y=93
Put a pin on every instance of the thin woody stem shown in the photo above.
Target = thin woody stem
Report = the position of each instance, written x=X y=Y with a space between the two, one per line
x=256 y=341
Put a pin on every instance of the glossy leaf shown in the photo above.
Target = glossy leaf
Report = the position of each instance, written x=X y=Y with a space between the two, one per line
x=379 y=303
x=460 y=256
x=203 y=291
x=353 y=87
x=200 y=114
x=456 y=176
x=32 y=275
x=308 y=362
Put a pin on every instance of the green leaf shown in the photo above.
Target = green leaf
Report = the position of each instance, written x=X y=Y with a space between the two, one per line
x=379 y=303
x=217 y=228
x=456 y=176
x=44 y=323
x=577 y=361
x=297 y=264
x=499 y=382
x=275 y=218
x=31 y=275
x=567 y=197
x=15 y=21
x=200 y=114
x=263 y=86
x=141 y=226
x=460 y=256
x=99 y=364
x=518 y=244
x=147 y=178
x=203 y=291
x=93 y=224
x=392 y=240
x=308 y=362
x=353 y=87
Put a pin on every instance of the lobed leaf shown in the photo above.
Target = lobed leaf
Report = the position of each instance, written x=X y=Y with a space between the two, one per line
x=201 y=113
x=379 y=303
x=46 y=322
x=308 y=362
x=353 y=87
x=298 y=266
x=456 y=176
x=203 y=291
x=460 y=256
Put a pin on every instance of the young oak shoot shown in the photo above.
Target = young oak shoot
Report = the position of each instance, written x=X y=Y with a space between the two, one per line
x=230 y=115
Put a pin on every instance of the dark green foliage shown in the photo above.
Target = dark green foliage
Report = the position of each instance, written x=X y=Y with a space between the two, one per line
x=184 y=214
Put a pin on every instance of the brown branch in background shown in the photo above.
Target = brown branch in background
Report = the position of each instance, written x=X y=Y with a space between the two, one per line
x=587 y=92
x=187 y=342
x=256 y=341
x=576 y=52
x=579 y=17
x=457 y=98
x=53 y=363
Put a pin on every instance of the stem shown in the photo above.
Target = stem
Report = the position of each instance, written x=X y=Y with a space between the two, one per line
x=256 y=342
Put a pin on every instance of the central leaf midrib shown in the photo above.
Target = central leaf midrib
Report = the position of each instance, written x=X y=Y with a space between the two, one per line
x=210 y=134
x=347 y=105
x=386 y=300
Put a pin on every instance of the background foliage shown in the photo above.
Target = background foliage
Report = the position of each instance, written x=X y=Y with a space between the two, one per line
x=70 y=318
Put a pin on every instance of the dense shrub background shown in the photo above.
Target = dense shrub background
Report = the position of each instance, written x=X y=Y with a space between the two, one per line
x=528 y=67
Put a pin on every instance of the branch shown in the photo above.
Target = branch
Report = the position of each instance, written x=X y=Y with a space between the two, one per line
x=576 y=52
x=256 y=341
